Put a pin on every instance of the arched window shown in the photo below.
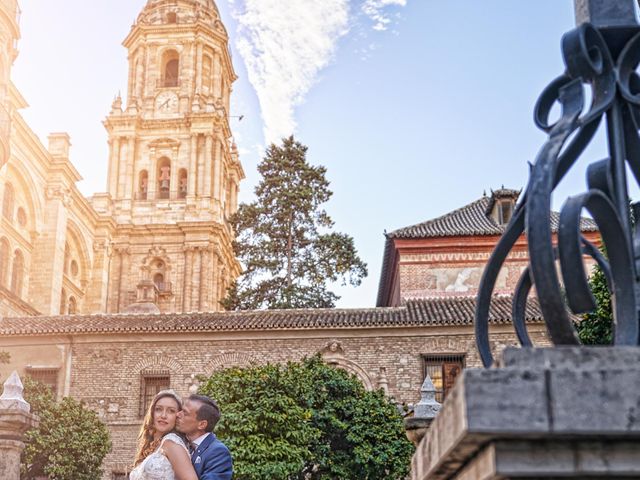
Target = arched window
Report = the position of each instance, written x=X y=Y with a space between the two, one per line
x=73 y=306
x=164 y=177
x=158 y=280
x=63 y=301
x=8 y=201
x=182 y=183
x=170 y=68
x=143 y=185
x=22 y=217
x=4 y=261
x=17 y=273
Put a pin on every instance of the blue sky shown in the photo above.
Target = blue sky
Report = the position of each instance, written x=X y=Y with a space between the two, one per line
x=414 y=106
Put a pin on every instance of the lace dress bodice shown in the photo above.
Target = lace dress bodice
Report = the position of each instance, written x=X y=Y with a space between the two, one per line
x=157 y=466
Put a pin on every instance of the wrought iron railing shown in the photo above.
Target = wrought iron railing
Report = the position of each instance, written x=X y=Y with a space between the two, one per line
x=602 y=55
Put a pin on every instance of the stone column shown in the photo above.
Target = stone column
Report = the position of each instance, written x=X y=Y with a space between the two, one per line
x=196 y=267
x=48 y=252
x=199 y=68
x=217 y=75
x=216 y=174
x=122 y=167
x=186 y=290
x=113 y=166
x=15 y=420
x=173 y=181
x=130 y=168
x=214 y=301
x=208 y=167
x=193 y=166
x=152 y=186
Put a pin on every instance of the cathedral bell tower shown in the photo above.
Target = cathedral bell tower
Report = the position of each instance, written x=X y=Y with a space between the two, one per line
x=173 y=168
x=9 y=35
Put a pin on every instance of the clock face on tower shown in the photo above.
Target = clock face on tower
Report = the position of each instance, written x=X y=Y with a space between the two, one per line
x=167 y=102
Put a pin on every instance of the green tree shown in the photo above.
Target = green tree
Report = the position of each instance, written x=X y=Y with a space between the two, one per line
x=284 y=238
x=308 y=420
x=596 y=327
x=70 y=442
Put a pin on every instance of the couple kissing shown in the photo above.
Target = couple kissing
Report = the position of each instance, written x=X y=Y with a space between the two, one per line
x=176 y=441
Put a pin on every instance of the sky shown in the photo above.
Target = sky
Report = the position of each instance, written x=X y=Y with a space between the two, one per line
x=416 y=107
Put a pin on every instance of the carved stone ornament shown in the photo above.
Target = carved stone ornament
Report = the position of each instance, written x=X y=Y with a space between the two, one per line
x=58 y=192
x=11 y=398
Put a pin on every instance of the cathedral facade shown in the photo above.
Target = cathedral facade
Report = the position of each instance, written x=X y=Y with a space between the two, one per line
x=158 y=240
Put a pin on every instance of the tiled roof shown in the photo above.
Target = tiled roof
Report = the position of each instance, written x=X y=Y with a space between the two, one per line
x=416 y=313
x=472 y=219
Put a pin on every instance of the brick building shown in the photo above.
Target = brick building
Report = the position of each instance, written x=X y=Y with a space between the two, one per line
x=446 y=256
x=116 y=363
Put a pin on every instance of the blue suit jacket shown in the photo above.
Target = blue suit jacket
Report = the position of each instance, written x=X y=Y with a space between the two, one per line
x=212 y=460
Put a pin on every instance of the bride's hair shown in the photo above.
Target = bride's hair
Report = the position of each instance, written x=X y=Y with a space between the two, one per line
x=146 y=442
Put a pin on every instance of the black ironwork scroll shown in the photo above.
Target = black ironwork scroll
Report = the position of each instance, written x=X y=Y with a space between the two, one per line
x=603 y=59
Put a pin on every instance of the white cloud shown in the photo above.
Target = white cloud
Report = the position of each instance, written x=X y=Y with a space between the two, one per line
x=284 y=49
x=376 y=11
x=285 y=45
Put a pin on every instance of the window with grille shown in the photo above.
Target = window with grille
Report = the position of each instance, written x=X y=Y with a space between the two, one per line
x=443 y=370
x=47 y=376
x=152 y=383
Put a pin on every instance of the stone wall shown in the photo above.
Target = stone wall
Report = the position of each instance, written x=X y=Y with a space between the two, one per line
x=105 y=371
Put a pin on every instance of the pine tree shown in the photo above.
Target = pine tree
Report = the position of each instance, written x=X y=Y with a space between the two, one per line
x=284 y=238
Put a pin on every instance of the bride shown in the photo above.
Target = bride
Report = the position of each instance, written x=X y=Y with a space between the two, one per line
x=162 y=453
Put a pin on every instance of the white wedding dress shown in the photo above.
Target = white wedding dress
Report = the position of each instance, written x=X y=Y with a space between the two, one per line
x=157 y=466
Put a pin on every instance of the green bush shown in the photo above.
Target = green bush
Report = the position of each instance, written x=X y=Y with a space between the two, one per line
x=307 y=420
x=70 y=441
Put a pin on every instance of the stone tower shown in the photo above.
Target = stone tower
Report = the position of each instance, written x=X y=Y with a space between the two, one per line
x=9 y=35
x=173 y=168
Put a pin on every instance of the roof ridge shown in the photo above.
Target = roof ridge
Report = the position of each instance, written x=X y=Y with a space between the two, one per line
x=441 y=217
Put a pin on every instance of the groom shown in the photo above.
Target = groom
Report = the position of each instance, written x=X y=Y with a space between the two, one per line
x=210 y=457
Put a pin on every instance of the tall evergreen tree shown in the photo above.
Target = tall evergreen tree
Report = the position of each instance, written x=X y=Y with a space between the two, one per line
x=284 y=238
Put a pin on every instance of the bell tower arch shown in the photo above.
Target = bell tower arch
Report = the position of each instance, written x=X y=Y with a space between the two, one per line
x=171 y=154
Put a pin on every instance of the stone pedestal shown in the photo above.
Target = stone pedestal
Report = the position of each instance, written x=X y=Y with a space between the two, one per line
x=542 y=413
x=15 y=420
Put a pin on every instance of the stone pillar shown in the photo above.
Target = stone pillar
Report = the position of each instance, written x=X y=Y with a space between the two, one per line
x=15 y=420
x=48 y=255
x=423 y=413
x=208 y=167
x=563 y=412
x=199 y=67
x=217 y=173
x=175 y=169
x=217 y=75
x=193 y=166
x=113 y=166
x=130 y=168
x=152 y=186
x=186 y=290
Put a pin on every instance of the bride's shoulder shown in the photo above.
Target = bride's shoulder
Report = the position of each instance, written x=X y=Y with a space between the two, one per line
x=175 y=438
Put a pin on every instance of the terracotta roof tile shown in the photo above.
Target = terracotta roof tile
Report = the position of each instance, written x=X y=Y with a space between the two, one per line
x=416 y=313
x=472 y=219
